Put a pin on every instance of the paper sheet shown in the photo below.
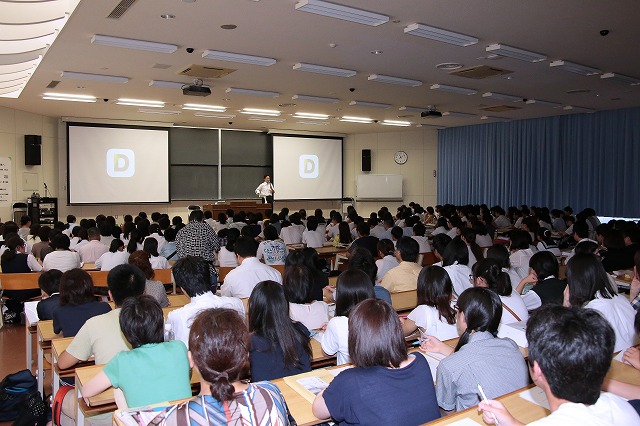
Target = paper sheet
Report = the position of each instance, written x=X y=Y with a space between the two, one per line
x=309 y=384
x=619 y=356
x=536 y=396
x=30 y=312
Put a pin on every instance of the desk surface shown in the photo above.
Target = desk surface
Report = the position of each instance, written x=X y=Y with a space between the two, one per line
x=175 y=301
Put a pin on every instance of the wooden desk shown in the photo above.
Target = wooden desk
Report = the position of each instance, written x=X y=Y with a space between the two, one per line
x=57 y=347
x=175 y=301
x=403 y=301
x=45 y=335
x=248 y=206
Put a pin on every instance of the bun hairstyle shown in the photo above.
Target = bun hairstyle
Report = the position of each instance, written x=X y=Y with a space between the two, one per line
x=219 y=341
x=482 y=312
x=496 y=279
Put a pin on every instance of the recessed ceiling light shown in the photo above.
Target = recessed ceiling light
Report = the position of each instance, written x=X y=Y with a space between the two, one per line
x=259 y=111
x=287 y=105
x=167 y=16
x=449 y=66
x=228 y=27
x=377 y=52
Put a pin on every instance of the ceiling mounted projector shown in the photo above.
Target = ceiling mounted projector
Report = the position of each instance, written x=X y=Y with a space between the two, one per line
x=430 y=113
x=196 y=89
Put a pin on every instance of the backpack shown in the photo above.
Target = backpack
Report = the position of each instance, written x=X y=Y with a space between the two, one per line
x=21 y=401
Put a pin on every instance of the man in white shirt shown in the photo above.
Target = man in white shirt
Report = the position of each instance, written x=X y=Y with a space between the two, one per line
x=193 y=277
x=570 y=352
x=241 y=280
x=311 y=236
x=265 y=190
x=332 y=228
x=92 y=251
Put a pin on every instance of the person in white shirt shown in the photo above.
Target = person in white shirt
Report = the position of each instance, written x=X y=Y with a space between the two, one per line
x=240 y=281
x=151 y=247
x=311 y=236
x=500 y=220
x=488 y=273
x=208 y=219
x=298 y=283
x=290 y=233
x=272 y=250
x=226 y=257
x=116 y=255
x=61 y=258
x=520 y=252
x=454 y=260
x=157 y=234
x=265 y=190
x=418 y=235
x=387 y=261
x=192 y=275
x=92 y=251
x=570 y=373
x=106 y=236
x=332 y=228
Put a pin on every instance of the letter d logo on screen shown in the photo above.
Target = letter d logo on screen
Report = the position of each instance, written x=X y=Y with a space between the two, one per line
x=121 y=163
x=308 y=166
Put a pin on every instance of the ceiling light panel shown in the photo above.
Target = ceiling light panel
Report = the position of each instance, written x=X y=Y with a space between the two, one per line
x=158 y=111
x=129 y=43
x=396 y=123
x=259 y=111
x=515 y=53
x=501 y=96
x=315 y=99
x=352 y=119
x=575 y=68
x=237 y=57
x=438 y=34
x=457 y=114
x=276 y=120
x=68 y=97
x=262 y=93
x=453 y=89
x=311 y=116
x=543 y=103
x=412 y=109
x=200 y=107
x=620 y=79
x=314 y=123
x=167 y=84
x=369 y=104
x=338 y=11
x=225 y=116
x=95 y=77
x=321 y=69
x=394 y=80
x=140 y=102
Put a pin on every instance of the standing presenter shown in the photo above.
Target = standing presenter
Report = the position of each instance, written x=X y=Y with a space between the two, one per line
x=265 y=190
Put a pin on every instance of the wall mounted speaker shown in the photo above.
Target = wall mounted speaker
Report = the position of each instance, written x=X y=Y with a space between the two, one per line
x=32 y=152
x=366 y=160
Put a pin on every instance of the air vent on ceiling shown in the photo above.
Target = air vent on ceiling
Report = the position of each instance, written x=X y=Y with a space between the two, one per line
x=500 y=108
x=161 y=66
x=480 y=72
x=201 y=71
x=120 y=9
x=53 y=84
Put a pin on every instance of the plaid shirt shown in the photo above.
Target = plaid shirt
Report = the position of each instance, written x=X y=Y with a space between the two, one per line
x=636 y=302
x=198 y=239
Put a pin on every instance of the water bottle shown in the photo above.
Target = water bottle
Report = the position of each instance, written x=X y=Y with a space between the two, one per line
x=168 y=332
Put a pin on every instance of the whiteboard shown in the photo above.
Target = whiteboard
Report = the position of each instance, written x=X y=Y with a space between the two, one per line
x=379 y=187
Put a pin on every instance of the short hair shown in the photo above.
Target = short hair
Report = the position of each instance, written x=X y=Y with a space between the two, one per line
x=298 y=283
x=115 y=244
x=519 y=239
x=375 y=335
x=440 y=243
x=456 y=251
x=125 y=281
x=93 y=233
x=140 y=259
x=49 y=281
x=409 y=249
x=270 y=232
x=192 y=274
x=362 y=260
x=60 y=241
x=545 y=264
x=362 y=228
x=419 y=229
x=219 y=342
x=71 y=218
x=312 y=223
x=385 y=246
x=245 y=247
x=76 y=287
x=496 y=279
x=435 y=289
x=142 y=321
x=196 y=216
x=24 y=220
x=586 y=278
x=397 y=232
x=573 y=348
x=105 y=229
x=581 y=229
x=482 y=310
x=353 y=287
x=44 y=232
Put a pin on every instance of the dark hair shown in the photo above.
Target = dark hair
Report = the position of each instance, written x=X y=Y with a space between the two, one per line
x=456 y=251
x=134 y=239
x=482 y=310
x=170 y=234
x=586 y=278
x=245 y=247
x=581 y=229
x=519 y=239
x=375 y=335
x=142 y=321
x=140 y=259
x=344 y=233
x=60 y=241
x=589 y=247
x=409 y=249
x=440 y=243
x=76 y=287
x=44 y=232
x=397 y=232
x=362 y=260
x=385 y=246
x=362 y=228
x=125 y=281
x=219 y=342
x=419 y=229
x=115 y=245
x=435 y=289
x=312 y=223
x=24 y=220
x=545 y=265
x=196 y=216
x=496 y=279
x=499 y=253
x=270 y=233
x=191 y=274
x=150 y=246
x=12 y=244
x=93 y=233
x=353 y=287
x=614 y=239
x=232 y=236
x=469 y=236
x=269 y=318
x=573 y=348
x=49 y=281
x=297 y=283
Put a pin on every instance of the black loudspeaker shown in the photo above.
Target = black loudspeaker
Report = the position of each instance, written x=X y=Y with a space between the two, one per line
x=366 y=160
x=32 y=155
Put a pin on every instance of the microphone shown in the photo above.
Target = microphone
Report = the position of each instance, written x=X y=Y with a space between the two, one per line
x=45 y=185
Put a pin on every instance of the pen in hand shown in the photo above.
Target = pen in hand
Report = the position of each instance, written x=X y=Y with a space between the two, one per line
x=484 y=398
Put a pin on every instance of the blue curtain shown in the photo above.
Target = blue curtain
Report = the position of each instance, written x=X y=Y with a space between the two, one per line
x=582 y=160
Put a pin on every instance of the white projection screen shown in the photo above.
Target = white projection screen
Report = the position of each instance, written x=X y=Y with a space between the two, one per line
x=112 y=164
x=306 y=168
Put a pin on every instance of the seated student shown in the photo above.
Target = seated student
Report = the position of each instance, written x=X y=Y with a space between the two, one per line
x=614 y=254
x=273 y=250
x=15 y=258
x=279 y=345
x=545 y=243
x=468 y=236
x=114 y=257
x=218 y=349
x=405 y=275
x=240 y=281
x=480 y=357
x=500 y=253
x=570 y=352
x=43 y=235
x=442 y=226
x=353 y=287
x=61 y=258
x=153 y=370
x=483 y=239
x=343 y=235
x=454 y=260
x=588 y=286
x=150 y=246
x=226 y=256
x=387 y=385
x=191 y=274
x=77 y=303
x=361 y=260
x=487 y=273
x=544 y=275
x=169 y=250
x=439 y=244
x=291 y=231
x=312 y=237
x=396 y=234
x=298 y=283
x=520 y=252
x=364 y=240
x=387 y=260
x=435 y=314
x=152 y=287
x=90 y=252
x=418 y=235
x=49 y=283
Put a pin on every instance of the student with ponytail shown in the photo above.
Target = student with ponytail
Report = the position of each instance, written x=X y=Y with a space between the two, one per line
x=480 y=357
x=487 y=273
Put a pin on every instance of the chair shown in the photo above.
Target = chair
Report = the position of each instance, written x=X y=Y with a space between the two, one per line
x=279 y=268
x=428 y=258
x=223 y=271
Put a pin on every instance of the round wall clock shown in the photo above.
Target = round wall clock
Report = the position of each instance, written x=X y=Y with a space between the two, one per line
x=400 y=157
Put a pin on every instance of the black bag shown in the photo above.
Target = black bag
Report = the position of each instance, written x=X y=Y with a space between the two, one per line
x=19 y=398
